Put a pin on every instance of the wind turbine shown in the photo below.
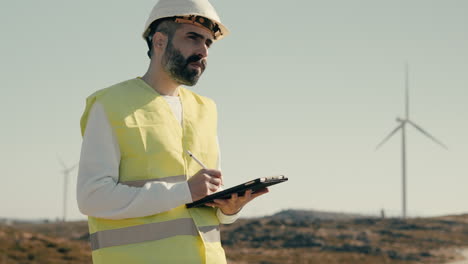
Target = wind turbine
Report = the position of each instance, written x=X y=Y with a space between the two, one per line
x=66 y=171
x=403 y=122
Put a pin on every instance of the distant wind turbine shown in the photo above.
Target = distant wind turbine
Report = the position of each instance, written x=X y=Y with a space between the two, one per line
x=66 y=171
x=402 y=126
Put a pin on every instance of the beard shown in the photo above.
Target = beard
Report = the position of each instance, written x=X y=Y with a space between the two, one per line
x=177 y=66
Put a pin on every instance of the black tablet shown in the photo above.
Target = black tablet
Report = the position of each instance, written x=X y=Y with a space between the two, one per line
x=240 y=189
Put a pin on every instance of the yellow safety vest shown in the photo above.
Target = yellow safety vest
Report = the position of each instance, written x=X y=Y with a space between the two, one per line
x=152 y=144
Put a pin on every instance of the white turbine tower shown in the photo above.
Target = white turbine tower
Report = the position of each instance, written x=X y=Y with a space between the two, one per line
x=402 y=126
x=66 y=172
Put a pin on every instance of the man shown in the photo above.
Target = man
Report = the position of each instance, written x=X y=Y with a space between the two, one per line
x=135 y=176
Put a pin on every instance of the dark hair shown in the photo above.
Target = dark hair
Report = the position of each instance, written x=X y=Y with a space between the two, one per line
x=166 y=26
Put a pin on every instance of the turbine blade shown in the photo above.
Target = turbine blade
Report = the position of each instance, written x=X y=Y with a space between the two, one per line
x=389 y=136
x=427 y=134
x=61 y=162
x=407 y=91
x=71 y=168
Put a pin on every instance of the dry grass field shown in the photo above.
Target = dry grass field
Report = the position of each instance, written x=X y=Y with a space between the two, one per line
x=287 y=237
x=290 y=238
x=44 y=243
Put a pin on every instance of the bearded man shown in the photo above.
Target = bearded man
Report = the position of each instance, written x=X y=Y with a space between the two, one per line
x=135 y=175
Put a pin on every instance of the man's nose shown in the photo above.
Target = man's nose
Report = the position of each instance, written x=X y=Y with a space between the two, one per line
x=203 y=51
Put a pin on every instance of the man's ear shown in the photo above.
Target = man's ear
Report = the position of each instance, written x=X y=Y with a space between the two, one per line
x=159 y=41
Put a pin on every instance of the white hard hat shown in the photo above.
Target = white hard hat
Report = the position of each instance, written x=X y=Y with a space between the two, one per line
x=188 y=11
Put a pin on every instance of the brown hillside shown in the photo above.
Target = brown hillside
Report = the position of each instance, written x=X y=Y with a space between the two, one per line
x=287 y=237
x=19 y=246
x=359 y=240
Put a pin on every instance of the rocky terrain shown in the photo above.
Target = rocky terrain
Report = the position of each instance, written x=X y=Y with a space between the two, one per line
x=44 y=243
x=290 y=236
x=298 y=237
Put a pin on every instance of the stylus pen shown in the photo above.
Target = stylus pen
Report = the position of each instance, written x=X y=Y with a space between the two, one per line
x=198 y=161
x=195 y=159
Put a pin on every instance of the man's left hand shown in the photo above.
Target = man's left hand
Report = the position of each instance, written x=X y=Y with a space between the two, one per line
x=234 y=204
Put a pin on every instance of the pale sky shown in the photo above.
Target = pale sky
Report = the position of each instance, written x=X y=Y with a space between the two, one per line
x=304 y=88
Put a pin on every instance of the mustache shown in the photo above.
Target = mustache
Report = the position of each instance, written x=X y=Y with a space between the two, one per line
x=196 y=58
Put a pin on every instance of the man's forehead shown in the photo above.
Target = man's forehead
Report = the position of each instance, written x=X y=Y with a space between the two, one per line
x=186 y=28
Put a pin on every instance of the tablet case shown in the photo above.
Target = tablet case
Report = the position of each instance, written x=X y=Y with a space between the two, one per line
x=240 y=189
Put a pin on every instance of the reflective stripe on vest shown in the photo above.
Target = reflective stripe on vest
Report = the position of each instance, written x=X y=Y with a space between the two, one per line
x=151 y=232
x=170 y=179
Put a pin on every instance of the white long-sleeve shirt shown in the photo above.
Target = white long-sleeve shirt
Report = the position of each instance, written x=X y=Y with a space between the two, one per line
x=99 y=192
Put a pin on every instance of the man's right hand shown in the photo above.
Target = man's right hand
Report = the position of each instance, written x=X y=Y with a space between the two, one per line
x=204 y=182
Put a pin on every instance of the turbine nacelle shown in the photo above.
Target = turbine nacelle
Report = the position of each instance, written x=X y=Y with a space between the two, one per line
x=401 y=120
